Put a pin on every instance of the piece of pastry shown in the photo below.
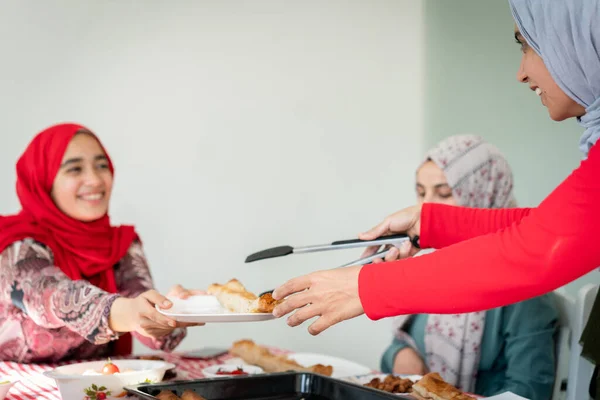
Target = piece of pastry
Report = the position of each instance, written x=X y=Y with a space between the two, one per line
x=433 y=387
x=260 y=356
x=265 y=304
x=234 y=297
x=191 y=395
x=150 y=357
x=167 y=395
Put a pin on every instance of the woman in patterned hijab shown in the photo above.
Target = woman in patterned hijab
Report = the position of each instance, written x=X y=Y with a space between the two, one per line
x=478 y=352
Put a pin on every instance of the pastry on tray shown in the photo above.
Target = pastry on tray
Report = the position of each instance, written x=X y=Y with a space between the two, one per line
x=433 y=387
x=234 y=297
x=260 y=356
x=187 y=395
x=167 y=395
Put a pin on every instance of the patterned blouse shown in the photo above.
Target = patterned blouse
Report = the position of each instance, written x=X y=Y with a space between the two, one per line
x=47 y=317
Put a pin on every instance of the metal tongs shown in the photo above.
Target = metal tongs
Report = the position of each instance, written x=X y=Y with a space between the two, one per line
x=387 y=241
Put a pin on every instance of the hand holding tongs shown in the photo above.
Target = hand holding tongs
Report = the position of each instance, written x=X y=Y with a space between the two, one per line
x=393 y=240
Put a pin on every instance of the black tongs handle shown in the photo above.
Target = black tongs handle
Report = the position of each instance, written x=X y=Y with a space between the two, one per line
x=414 y=240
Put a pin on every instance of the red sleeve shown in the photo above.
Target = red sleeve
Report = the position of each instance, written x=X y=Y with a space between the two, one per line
x=554 y=244
x=443 y=225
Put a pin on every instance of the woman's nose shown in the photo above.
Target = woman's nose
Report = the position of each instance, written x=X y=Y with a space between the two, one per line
x=93 y=178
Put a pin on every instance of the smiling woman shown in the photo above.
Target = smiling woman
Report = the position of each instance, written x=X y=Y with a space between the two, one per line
x=533 y=71
x=83 y=184
x=490 y=258
x=73 y=285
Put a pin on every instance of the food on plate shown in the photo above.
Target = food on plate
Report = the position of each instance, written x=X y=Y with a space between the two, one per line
x=237 y=371
x=186 y=395
x=109 y=368
x=392 y=384
x=433 y=387
x=260 y=356
x=234 y=296
x=150 y=357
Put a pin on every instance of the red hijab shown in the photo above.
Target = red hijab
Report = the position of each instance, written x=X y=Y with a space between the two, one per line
x=82 y=250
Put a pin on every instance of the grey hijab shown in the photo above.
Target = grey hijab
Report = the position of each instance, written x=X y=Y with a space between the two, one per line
x=566 y=34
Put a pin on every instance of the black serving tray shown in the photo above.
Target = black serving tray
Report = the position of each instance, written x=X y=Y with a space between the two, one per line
x=282 y=386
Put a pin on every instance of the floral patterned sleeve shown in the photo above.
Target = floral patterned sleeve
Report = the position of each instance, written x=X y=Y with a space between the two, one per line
x=133 y=278
x=31 y=283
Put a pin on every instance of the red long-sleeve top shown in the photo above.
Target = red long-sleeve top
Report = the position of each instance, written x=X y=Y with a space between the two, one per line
x=493 y=257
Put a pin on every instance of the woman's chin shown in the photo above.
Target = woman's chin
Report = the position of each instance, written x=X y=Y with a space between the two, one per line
x=562 y=112
x=558 y=116
x=89 y=216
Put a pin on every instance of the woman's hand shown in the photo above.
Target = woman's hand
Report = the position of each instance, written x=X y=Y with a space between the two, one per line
x=409 y=362
x=331 y=295
x=139 y=315
x=407 y=221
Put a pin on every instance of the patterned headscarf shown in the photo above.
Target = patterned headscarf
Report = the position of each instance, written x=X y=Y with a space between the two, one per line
x=477 y=172
x=479 y=177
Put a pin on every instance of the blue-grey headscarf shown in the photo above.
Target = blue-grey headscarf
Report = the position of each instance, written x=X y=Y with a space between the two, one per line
x=566 y=34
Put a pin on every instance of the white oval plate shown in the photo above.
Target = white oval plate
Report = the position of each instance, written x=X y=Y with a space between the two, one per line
x=207 y=309
x=341 y=367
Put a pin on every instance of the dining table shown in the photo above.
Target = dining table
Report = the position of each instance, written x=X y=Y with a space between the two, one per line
x=32 y=384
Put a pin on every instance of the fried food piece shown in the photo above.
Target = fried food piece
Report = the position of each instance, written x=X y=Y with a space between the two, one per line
x=265 y=304
x=151 y=357
x=167 y=395
x=191 y=395
x=433 y=387
x=392 y=384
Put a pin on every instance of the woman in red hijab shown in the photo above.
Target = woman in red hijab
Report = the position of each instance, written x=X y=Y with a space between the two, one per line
x=72 y=285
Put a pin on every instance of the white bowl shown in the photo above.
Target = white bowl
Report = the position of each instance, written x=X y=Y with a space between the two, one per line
x=72 y=384
x=5 y=387
x=211 y=372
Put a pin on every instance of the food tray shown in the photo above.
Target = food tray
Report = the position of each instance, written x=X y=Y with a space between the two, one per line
x=282 y=386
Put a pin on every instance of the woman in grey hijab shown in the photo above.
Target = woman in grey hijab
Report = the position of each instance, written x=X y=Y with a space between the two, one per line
x=489 y=258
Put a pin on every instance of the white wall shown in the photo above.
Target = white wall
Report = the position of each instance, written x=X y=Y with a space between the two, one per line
x=234 y=126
